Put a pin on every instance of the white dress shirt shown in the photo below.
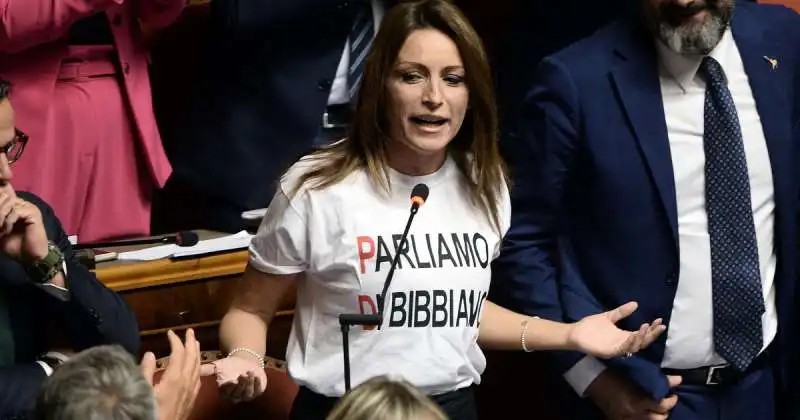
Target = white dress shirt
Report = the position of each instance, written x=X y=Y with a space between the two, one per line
x=340 y=91
x=690 y=333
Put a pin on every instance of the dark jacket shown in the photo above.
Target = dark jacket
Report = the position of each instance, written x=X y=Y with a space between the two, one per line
x=258 y=100
x=92 y=316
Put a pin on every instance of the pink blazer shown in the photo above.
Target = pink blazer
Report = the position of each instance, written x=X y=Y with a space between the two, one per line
x=32 y=44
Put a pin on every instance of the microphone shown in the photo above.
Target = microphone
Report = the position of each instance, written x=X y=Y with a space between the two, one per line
x=418 y=196
x=185 y=238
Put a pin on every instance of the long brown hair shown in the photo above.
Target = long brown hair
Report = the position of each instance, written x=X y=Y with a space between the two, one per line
x=474 y=149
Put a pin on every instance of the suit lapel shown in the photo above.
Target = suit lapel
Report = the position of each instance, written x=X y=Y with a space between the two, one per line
x=637 y=84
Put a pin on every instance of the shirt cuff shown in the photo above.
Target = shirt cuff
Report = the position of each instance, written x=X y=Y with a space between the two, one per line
x=47 y=369
x=583 y=373
x=60 y=293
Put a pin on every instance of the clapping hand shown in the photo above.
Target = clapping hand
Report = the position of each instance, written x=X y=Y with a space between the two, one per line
x=180 y=383
x=598 y=335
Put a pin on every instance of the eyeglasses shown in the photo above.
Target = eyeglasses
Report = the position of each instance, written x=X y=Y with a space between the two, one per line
x=13 y=149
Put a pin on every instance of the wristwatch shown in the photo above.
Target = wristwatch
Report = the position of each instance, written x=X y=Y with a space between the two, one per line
x=44 y=270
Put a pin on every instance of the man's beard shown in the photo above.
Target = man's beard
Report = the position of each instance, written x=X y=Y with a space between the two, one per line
x=694 y=38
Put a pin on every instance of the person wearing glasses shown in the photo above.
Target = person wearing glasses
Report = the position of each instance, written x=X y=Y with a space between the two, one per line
x=43 y=288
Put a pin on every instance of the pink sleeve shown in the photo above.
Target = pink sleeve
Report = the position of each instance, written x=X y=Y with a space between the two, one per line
x=27 y=23
x=158 y=14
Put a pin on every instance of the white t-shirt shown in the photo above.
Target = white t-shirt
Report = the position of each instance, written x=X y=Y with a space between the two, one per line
x=343 y=239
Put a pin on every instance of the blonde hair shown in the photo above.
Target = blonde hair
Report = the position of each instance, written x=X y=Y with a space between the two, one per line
x=474 y=149
x=384 y=398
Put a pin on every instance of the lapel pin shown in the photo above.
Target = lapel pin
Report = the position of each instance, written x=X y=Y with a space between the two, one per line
x=772 y=61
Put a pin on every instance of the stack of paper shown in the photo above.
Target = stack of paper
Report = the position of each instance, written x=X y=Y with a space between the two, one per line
x=233 y=242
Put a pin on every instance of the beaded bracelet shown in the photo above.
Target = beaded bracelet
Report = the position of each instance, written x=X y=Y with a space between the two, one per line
x=250 y=352
x=523 y=330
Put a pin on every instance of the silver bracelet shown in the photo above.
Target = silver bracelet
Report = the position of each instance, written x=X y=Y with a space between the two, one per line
x=250 y=352
x=523 y=330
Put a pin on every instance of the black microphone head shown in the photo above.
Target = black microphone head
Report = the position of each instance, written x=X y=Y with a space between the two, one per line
x=186 y=238
x=419 y=194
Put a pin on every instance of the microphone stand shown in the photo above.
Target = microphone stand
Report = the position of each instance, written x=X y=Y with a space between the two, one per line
x=348 y=320
x=396 y=259
x=418 y=196
x=345 y=322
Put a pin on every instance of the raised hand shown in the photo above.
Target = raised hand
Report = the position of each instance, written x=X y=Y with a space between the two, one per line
x=180 y=383
x=22 y=233
x=598 y=335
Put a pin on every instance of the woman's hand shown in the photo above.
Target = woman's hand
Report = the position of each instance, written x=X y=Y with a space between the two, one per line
x=598 y=335
x=240 y=378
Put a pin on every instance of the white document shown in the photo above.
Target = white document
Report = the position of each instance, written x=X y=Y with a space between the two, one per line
x=256 y=214
x=233 y=242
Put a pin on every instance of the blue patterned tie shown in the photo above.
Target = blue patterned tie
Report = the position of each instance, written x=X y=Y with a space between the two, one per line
x=360 y=42
x=736 y=280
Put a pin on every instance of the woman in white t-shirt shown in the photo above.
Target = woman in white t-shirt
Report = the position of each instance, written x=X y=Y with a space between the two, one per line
x=425 y=115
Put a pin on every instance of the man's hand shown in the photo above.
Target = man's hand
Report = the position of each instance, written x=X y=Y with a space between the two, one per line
x=180 y=384
x=22 y=233
x=621 y=400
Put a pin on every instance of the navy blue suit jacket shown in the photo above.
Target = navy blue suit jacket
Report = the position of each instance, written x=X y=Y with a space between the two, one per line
x=594 y=221
x=93 y=315
x=262 y=89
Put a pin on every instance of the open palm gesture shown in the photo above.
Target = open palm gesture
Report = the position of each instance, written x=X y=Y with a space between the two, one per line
x=599 y=336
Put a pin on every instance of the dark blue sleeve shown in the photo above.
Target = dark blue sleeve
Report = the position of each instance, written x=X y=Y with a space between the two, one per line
x=19 y=388
x=94 y=314
x=536 y=272
x=540 y=155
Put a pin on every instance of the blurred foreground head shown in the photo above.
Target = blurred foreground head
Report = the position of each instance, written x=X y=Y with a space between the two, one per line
x=383 y=398
x=100 y=383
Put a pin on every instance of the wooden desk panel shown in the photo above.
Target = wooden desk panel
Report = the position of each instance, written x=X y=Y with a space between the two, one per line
x=208 y=336
x=195 y=302
x=190 y=293
x=122 y=276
